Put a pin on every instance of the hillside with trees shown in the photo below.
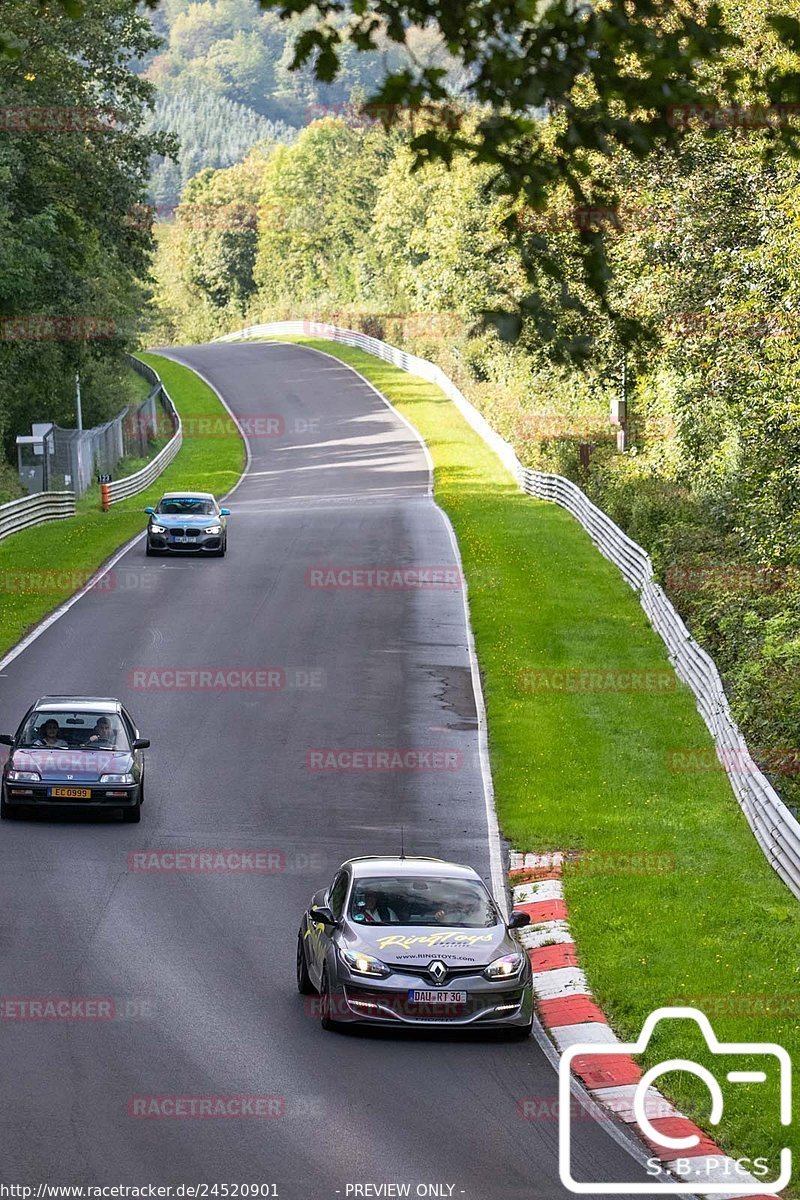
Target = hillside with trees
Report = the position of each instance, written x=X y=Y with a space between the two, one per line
x=224 y=79
x=211 y=130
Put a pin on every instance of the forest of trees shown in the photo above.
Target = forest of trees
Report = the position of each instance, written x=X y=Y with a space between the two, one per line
x=704 y=245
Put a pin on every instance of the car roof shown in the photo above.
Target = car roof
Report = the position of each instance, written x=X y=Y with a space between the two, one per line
x=87 y=703
x=188 y=496
x=433 y=868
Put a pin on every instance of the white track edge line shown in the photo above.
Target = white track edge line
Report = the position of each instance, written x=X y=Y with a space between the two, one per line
x=248 y=454
x=63 y=608
x=109 y=565
x=608 y=1123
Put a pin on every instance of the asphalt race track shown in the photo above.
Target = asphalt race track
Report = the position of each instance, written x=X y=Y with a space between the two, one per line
x=201 y=965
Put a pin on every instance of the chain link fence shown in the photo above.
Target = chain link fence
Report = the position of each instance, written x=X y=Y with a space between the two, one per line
x=78 y=455
x=74 y=459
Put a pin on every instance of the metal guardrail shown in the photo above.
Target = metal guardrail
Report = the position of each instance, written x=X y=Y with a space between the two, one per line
x=121 y=489
x=774 y=826
x=35 y=510
x=144 y=369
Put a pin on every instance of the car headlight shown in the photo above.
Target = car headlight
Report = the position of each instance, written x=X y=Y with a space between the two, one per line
x=364 y=964
x=157 y=529
x=505 y=967
x=126 y=778
x=24 y=777
x=213 y=529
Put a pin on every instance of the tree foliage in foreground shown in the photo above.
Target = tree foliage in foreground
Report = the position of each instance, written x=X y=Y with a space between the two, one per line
x=609 y=75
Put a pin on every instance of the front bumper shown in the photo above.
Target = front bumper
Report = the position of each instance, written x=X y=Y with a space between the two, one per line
x=203 y=542
x=35 y=795
x=507 y=1005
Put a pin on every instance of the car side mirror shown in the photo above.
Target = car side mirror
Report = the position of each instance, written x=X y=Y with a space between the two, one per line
x=321 y=914
x=141 y=743
x=224 y=512
x=150 y=510
x=6 y=739
x=519 y=919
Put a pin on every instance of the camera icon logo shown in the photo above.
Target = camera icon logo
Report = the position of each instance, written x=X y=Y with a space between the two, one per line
x=671 y=1147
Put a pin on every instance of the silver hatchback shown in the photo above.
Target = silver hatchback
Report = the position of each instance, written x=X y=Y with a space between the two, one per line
x=413 y=942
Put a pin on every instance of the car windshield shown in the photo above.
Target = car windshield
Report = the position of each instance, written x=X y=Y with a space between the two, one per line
x=186 y=506
x=454 y=903
x=74 y=729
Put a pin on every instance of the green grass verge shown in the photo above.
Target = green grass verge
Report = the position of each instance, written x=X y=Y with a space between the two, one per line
x=41 y=567
x=590 y=771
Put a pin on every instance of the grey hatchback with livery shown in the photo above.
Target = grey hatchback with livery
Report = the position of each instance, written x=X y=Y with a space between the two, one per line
x=414 y=942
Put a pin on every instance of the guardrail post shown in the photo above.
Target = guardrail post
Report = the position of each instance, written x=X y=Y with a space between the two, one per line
x=105 y=493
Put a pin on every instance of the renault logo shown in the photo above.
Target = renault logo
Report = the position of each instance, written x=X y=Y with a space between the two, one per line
x=438 y=971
